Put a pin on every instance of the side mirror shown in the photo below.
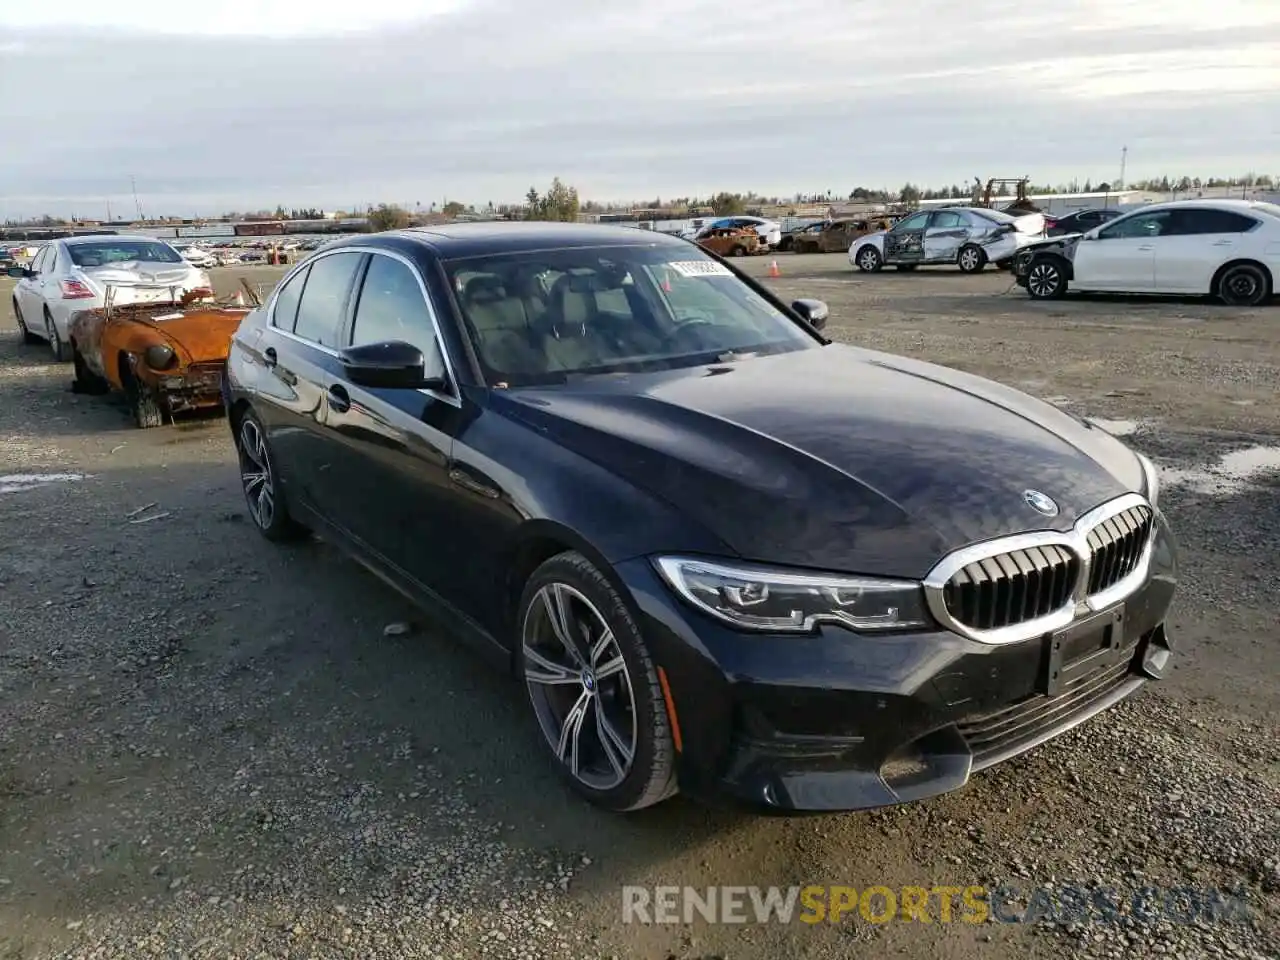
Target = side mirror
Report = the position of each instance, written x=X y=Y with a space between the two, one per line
x=18 y=273
x=392 y=364
x=814 y=311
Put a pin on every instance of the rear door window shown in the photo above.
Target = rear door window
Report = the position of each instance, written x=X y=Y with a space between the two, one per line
x=286 y=308
x=1196 y=222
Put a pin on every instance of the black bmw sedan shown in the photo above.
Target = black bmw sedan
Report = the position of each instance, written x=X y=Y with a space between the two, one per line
x=722 y=554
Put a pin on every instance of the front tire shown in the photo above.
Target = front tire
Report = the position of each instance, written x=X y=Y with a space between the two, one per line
x=86 y=380
x=971 y=259
x=594 y=687
x=145 y=406
x=1244 y=285
x=1046 y=279
x=59 y=349
x=869 y=260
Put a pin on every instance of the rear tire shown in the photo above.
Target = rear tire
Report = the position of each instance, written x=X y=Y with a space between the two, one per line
x=971 y=259
x=738 y=251
x=594 y=688
x=1244 y=285
x=27 y=336
x=1047 y=278
x=261 y=485
x=59 y=349
x=869 y=260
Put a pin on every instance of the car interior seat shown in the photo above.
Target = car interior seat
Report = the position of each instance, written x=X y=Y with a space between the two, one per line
x=504 y=337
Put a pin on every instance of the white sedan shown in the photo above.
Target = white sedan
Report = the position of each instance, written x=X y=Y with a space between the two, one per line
x=1224 y=248
x=968 y=237
x=74 y=273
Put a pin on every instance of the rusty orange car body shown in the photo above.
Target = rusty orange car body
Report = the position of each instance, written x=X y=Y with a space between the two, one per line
x=730 y=241
x=164 y=358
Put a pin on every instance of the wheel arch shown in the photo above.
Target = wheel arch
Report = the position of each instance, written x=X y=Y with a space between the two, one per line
x=537 y=542
x=1243 y=262
x=235 y=415
x=1065 y=264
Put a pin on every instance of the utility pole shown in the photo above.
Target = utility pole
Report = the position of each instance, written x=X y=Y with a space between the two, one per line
x=133 y=181
x=1124 y=156
x=108 y=211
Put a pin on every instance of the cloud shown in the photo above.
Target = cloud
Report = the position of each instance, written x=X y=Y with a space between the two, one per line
x=478 y=99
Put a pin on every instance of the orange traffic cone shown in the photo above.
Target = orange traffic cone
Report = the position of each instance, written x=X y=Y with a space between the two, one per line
x=239 y=298
x=773 y=269
x=666 y=282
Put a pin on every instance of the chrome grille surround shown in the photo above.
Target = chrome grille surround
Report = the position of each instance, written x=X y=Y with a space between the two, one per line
x=1077 y=541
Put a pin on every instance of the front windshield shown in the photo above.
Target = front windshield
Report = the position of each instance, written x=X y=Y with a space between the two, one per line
x=102 y=252
x=549 y=316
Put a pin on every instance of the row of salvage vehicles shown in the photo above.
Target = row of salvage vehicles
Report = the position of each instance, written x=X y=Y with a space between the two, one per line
x=134 y=318
x=1228 y=249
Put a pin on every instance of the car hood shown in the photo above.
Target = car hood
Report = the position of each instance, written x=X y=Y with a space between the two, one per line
x=875 y=239
x=836 y=458
x=199 y=336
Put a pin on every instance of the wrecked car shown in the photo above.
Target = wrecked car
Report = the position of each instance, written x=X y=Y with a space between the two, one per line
x=968 y=237
x=166 y=358
x=730 y=241
x=836 y=235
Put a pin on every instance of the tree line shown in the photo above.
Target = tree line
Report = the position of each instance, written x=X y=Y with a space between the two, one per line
x=561 y=201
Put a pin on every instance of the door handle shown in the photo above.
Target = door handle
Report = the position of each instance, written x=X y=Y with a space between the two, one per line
x=339 y=399
x=269 y=357
x=1147 y=247
x=1223 y=243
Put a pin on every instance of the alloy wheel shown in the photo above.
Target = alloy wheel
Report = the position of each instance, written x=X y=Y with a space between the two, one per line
x=255 y=474
x=1044 y=280
x=868 y=260
x=580 y=686
x=969 y=259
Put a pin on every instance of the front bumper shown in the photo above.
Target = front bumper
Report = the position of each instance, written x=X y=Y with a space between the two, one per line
x=837 y=721
x=197 y=387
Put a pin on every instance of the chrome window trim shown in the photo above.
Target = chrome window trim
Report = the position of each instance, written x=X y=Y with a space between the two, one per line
x=1076 y=541
x=448 y=398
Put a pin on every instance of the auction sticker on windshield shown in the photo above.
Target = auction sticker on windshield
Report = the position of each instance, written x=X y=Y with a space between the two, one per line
x=700 y=268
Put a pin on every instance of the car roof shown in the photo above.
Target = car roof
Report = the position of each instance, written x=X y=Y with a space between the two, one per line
x=1198 y=203
x=459 y=240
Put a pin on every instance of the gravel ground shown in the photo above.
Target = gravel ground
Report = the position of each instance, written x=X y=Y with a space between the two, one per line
x=210 y=748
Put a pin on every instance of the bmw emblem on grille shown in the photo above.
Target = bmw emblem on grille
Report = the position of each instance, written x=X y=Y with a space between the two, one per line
x=1040 y=503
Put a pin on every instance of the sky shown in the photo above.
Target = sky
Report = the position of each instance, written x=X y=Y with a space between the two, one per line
x=240 y=104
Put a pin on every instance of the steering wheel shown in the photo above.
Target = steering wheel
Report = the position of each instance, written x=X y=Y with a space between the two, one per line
x=683 y=326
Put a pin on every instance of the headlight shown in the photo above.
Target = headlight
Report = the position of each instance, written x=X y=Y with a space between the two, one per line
x=761 y=598
x=1152 y=476
x=159 y=356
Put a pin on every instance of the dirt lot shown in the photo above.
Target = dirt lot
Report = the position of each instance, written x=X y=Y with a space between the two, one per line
x=208 y=747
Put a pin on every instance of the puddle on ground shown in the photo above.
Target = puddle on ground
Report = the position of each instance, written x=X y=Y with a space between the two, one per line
x=1234 y=472
x=16 y=482
x=1117 y=428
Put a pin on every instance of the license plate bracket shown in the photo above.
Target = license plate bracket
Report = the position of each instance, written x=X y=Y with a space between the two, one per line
x=1082 y=648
